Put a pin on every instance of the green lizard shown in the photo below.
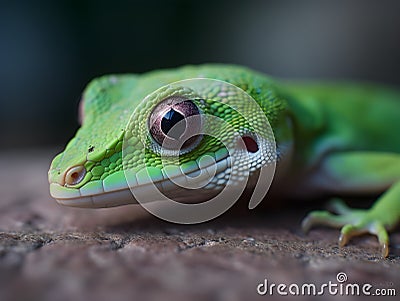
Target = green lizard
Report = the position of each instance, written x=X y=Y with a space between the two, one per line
x=332 y=139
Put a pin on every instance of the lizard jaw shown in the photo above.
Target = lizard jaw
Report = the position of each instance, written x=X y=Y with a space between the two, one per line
x=115 y=191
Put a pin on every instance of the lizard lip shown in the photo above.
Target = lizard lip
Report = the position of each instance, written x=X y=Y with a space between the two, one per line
x=115 y=191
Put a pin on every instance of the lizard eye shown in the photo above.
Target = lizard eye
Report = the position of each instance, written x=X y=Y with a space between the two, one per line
x=174 y=124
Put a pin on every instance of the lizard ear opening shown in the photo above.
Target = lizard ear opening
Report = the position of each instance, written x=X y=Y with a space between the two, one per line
x=250 y=143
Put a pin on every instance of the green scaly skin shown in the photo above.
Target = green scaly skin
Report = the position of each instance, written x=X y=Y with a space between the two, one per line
x=332 y=139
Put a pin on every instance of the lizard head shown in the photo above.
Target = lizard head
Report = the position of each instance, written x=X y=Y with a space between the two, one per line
x=161 y=129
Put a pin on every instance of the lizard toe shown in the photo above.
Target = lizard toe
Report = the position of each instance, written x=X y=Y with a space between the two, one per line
x=322 y=218
x=348 y=231
x=374 y=228
x=353 y=222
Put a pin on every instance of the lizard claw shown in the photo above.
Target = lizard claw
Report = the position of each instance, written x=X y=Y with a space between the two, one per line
x=375 y=228
x=385 y=250
x=348 y=231
x=354 y=222
x=379 y=230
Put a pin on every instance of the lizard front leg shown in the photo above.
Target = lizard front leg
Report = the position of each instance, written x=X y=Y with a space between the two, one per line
x=362 y=172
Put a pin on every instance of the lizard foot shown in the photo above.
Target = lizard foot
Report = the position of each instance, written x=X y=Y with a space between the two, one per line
x=353 y=222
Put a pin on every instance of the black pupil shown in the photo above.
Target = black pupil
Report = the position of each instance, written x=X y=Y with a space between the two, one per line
x=170 y=119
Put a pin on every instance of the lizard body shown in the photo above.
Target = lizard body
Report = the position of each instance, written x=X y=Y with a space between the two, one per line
x=336 y=139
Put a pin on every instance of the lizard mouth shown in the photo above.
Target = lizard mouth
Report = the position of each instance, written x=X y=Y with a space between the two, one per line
x=115 y=191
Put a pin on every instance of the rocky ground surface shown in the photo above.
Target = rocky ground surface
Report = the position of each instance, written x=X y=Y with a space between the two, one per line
x=49 y=252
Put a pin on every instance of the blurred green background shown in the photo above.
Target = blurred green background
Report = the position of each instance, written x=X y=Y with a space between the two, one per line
x=49 y=50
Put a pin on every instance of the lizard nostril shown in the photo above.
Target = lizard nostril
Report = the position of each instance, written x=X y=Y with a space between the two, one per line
x=75 y=175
